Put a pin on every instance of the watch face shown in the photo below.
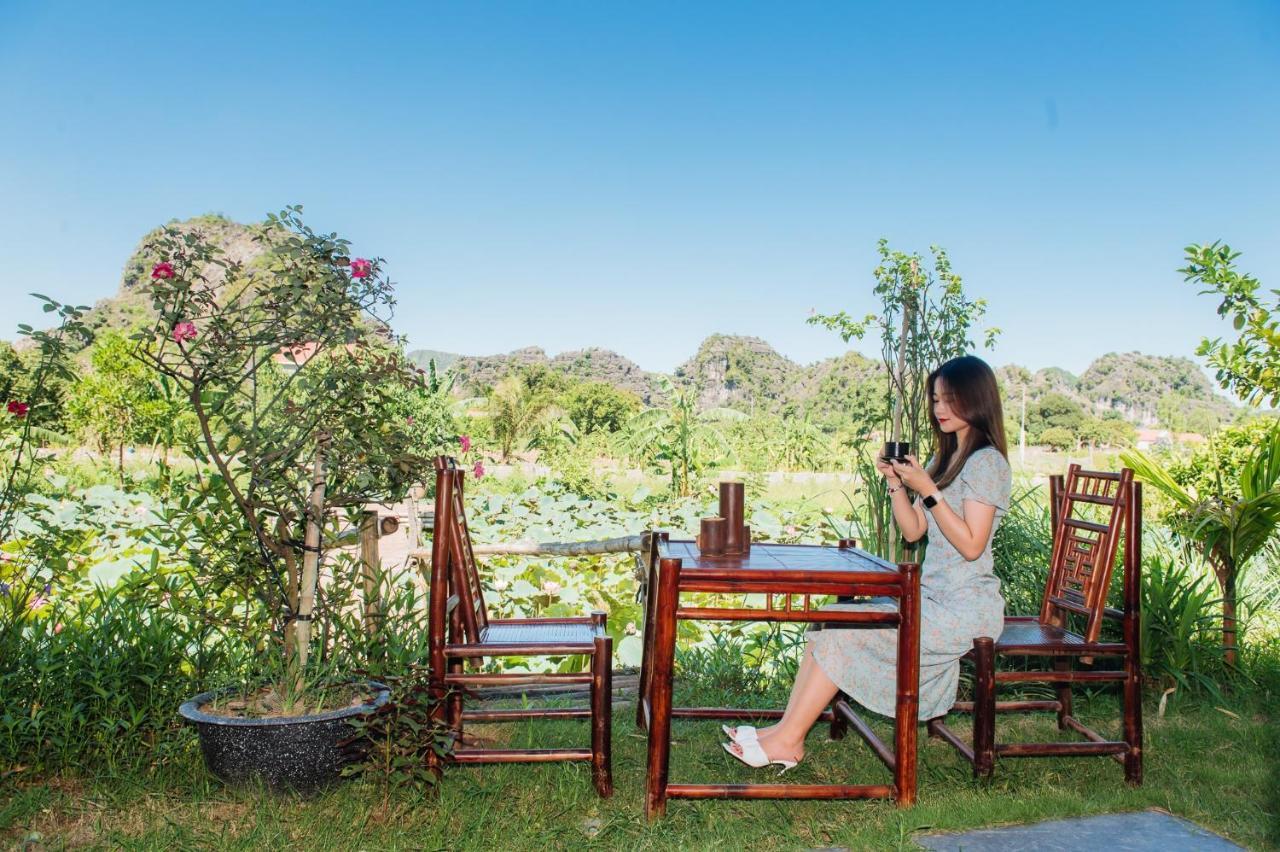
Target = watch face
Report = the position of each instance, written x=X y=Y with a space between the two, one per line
x=930 y=501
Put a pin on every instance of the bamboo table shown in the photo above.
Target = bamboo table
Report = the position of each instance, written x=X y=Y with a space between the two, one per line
x=783 y=571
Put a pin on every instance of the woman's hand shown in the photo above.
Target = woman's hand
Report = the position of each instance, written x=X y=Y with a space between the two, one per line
x=887 y=471
x=914 y=476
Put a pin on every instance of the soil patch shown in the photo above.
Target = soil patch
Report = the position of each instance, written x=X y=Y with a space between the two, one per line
x=268 y=701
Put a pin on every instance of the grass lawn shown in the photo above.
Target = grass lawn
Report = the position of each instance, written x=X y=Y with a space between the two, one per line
x=1220 y=770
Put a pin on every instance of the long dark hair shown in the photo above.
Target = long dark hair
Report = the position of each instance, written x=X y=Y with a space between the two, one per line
x=975 y=398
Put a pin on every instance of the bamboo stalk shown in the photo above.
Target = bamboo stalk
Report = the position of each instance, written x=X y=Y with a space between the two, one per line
x=625 y=544
x=310 y=561
x=370 y=569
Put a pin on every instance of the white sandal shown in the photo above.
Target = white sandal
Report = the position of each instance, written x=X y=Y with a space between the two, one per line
x=753 y=755
x=740 y=734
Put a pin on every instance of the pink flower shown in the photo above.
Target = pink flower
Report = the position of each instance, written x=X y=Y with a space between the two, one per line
x=478 y=471
x=184 y=330
x=791 y=530
x=37 y=602
x=551 y=587
x=408 y=421
x=18 y=409
x=162 y=270
x=57 y=628
x=361 y=268
x=465 y=442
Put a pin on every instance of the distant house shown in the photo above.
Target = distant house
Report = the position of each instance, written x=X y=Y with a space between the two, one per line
x=1149 y=438
x=290 y=358
x=1156 y=438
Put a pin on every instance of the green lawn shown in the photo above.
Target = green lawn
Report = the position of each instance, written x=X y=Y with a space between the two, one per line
x=1219 y=770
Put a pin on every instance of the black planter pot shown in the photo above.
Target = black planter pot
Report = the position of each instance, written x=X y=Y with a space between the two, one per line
x=298 y=753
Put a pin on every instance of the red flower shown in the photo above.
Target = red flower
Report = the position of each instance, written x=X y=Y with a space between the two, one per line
x=18 y=409
x=464 y=441
x=361 y=268
x=184 y=330
x=164 y=270
x=478 y=470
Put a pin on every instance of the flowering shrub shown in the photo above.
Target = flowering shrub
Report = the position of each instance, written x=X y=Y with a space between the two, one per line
x=27 y=572
x=303 y=402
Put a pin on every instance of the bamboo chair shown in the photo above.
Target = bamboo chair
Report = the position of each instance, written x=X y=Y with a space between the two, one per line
x=457 y=611
x=1079 y=577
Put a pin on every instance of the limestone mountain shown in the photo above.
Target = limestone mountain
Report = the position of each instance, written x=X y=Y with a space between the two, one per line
x=131 y=305
x=1139 y=385
x=739 y=372
x=1146 y=390
x=422 y=357
x=475 y=373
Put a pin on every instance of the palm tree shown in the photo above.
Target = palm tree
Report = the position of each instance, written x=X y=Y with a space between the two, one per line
x=679 y=434
x=518 y=414
x=1229 y=531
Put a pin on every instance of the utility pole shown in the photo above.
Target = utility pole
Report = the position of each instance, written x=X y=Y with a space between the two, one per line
x=1022 y=432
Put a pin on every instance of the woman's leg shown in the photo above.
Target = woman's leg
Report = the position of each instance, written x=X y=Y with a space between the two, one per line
x=810 y=695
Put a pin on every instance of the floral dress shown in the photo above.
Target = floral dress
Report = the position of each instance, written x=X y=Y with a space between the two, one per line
x=960 y=600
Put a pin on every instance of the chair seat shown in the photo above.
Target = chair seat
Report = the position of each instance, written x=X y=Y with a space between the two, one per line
x=536 y=633
x=1019 y=635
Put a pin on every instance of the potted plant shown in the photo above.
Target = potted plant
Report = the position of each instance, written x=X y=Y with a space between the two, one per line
x=291 y=373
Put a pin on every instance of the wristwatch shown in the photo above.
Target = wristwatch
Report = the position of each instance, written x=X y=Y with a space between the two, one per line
x=930 y=501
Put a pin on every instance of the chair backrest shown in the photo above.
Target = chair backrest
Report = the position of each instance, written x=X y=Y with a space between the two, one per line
x=1088 y=511
x=451 y=521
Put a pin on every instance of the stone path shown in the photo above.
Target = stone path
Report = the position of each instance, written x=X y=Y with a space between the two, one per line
x=1144 y=831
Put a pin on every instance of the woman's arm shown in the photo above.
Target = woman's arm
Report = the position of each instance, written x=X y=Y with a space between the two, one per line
x=967 y=534
x=909 y=516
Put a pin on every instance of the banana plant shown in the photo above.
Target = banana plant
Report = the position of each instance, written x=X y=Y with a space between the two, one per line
x=1228 y=531
x=687 y=439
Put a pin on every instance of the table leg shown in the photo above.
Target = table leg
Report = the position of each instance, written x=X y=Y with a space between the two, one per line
x=643 y=697
x=660 y=686
x=908 y=709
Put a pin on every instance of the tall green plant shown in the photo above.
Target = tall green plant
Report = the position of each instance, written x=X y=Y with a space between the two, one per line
x=1249 y=366
x=924 y=319
x=1229 y=525
x=1177 y=623
x=679 y=435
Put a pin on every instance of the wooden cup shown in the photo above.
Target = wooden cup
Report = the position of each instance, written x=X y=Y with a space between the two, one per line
x=711 y=539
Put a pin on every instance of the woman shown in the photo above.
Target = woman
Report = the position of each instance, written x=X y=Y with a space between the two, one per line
x=960 y=498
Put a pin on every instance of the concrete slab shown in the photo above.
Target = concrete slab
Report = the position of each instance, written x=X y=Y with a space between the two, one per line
x=1143 y=831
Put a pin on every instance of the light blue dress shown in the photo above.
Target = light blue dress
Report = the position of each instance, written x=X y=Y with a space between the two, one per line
x=960 y=601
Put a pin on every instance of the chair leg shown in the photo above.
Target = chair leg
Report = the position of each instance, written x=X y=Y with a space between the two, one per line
x=1063 y=664
x=839 y=724
x=453 y=704
x=455 y=665
x=984 y=707
x=646 y=654
x=602 y=716
x=1133 y=721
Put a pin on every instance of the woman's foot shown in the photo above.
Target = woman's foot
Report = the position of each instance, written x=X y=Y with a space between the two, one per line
x=771 y=746
x=746 y=732
x=750 y=753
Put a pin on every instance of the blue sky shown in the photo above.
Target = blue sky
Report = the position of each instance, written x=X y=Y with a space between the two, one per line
x=636 y=176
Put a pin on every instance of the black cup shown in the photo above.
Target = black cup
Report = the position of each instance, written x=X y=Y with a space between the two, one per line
x=896 y=450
